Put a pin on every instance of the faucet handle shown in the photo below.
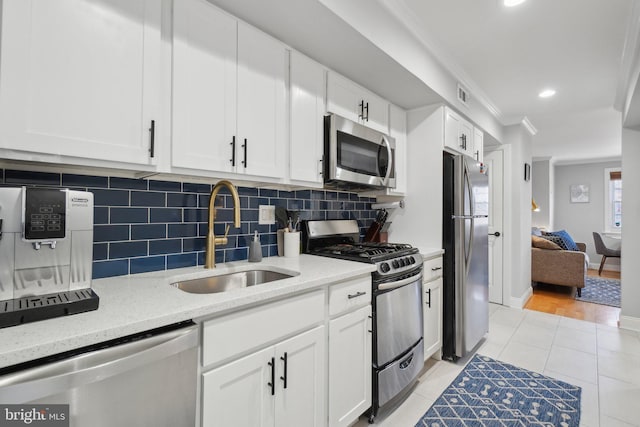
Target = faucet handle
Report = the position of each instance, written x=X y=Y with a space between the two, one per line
x=226 y=230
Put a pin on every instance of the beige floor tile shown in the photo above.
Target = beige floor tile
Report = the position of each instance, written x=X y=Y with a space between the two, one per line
x=618 y=340
x=507 y=316
x=541 y=319
x=491 y=349
x=525 y=356
x=620 y=366
x=581 y=325
x=432 y=385
x=619 y=400
x=576 y=339
x=533 y=334
x=574 y=364
x=500 y=334
x=407 y=414
x=606 y=421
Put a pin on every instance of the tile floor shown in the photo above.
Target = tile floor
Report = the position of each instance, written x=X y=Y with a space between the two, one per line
x=603 y=360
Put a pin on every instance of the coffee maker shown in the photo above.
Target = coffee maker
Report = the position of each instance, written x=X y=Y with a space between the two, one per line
x=46 y=247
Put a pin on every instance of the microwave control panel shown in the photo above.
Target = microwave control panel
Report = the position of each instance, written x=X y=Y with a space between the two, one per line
x=44 y=213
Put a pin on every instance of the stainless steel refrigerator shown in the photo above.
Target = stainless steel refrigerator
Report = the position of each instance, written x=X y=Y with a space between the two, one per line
x=466 y=258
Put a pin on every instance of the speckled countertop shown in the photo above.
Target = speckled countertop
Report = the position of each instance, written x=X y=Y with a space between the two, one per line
x=140 y=302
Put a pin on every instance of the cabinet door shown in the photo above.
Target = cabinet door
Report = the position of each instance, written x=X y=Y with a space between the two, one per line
x=349 y=367
x=465 y=134
x=204 y=87
x=478 y=145
x=307 y=110
x=262 y=64
x=80 y=78
x=451 y=131
x=300 y=365
x=344 y=97
x=376 y=113
x=239 y=394
x=432 y=315
x=398 y=130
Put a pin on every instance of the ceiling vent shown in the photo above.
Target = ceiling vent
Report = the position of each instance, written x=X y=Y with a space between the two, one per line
x=463 y=94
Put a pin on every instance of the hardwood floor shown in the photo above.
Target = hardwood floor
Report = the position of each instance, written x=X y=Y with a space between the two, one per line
x=559 y=300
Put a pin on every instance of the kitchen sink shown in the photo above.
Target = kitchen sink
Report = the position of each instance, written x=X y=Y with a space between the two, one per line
x=227 y=282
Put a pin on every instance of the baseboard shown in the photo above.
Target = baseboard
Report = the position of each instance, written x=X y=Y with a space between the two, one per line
x=522 y=300
x=631 y=323
x=596 y=266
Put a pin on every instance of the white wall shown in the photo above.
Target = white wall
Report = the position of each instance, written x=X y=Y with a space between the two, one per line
x=630 y=314
x=518 y=215
x=542 y=191
x=582 y=219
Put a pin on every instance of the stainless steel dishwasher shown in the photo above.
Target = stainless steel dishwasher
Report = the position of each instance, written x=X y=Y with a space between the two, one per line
x=147 y=379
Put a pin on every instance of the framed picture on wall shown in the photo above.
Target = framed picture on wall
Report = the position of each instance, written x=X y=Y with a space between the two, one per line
x=579 y=193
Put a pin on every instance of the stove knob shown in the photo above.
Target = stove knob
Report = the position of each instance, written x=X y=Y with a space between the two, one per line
x=402 y=262
x=412 y=260
x=384 y=267
x=395 y=264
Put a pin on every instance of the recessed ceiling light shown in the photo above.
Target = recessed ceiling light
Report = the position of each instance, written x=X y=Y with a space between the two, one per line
x=511 y=3
x=547 y=93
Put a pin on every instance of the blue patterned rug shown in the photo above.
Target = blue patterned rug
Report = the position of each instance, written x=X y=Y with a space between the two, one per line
x=490 y=393
x=601 y=291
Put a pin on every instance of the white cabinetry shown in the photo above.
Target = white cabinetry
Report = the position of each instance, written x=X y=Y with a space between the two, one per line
x=398 y=131
x=229 y=94
x=280 y=385
x=347 y=99
x=307 y=128
x=81 y=80
x=478 y=145
x=458 y=133
x=432 y=308
x=349 y=351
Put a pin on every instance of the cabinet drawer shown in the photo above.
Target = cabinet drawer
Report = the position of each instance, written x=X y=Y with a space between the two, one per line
x=432 y=269
x=244 y=330
x=349 y=295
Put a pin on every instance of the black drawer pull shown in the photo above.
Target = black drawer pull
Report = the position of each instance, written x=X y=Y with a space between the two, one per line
x=356 y=295
x=272 y=384
x=429 y=302
x=233 y=151
x=284 y=377
x=244 y=162
x=152 y=139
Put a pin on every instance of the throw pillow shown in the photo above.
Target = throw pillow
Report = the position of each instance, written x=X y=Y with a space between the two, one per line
x=567 y=241
x=556 y=240
x=542 y=243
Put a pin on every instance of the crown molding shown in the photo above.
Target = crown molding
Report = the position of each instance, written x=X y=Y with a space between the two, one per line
x=402 y=12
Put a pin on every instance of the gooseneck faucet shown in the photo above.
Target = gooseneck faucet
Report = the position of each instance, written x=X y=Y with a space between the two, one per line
x=212 y=240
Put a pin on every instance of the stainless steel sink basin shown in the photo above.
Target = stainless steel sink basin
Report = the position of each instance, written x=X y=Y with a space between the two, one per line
x=227 y=282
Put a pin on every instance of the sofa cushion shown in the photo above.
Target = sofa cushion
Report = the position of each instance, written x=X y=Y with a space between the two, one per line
x=542 y=243
x=567 y=241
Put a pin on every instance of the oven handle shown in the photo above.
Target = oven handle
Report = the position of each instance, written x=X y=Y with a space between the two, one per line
x=399 y=283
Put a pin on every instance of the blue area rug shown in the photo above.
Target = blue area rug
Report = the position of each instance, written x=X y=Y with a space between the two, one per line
x=601 y=291
x=490 y=393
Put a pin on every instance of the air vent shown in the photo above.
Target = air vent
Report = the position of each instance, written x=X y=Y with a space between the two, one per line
x=463 y=94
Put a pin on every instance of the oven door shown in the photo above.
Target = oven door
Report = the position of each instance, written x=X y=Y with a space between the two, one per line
x=398 y=318
x=358 y=154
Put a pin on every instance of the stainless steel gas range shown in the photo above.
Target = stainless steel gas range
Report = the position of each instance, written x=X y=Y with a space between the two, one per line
x=396 y=303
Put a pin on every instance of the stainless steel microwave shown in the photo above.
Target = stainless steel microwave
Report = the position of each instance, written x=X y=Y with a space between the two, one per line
x=357 y=157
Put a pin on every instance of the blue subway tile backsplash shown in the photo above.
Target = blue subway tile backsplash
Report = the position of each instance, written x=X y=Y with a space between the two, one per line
x=148 y=225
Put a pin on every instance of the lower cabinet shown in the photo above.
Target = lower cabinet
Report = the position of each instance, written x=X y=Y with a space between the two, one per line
x=281 y=385
x=349 y=366
x=432 y=315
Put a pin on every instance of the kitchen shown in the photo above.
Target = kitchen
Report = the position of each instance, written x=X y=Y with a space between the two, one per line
x=131 y=125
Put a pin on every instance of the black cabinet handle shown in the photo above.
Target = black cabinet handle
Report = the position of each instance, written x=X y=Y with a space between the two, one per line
x=284 y=377
x=244 y=162
x=429 y=302
x=272 y=384
x=361 y=115
x=366 y=108
x=477 y=155
x=497 y=234
x=233 y=151
x=152 y=139
x=356 y=295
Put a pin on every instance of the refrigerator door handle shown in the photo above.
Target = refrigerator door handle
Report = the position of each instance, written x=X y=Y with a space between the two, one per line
x=468 y=249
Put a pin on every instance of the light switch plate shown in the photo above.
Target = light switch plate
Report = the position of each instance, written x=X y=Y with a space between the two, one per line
x=267 y=214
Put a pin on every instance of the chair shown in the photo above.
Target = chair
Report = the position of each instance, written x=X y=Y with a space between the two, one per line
x=602 y=249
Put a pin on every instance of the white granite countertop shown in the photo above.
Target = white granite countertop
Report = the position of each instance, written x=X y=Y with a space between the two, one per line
x=428 y=253
x=140 y=302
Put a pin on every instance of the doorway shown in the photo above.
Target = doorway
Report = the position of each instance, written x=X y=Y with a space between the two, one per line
x=494 y=161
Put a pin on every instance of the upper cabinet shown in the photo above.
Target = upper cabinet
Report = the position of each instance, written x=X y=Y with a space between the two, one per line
x=229 y=94
x=345 y=98
x=81 y=79
x=307 y=128
x=458 y=133
x=478 y=145
x=398 y=131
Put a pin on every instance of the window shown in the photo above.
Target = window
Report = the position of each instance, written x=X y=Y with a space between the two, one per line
x=613 y=200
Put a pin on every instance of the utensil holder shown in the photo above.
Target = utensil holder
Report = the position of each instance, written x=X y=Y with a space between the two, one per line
x=280 y=242
x=291 y=244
